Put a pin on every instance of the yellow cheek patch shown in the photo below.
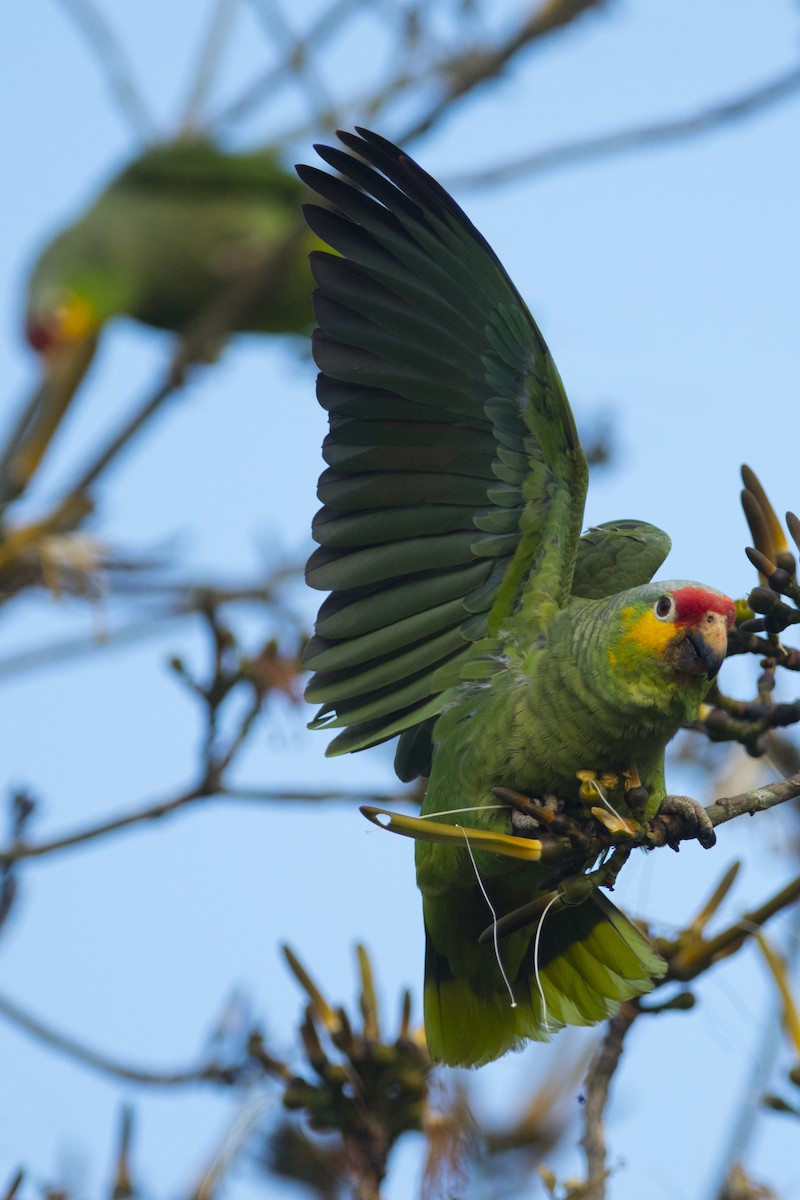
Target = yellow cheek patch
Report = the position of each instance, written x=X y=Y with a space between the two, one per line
x=645 y=634
x=68 y=317
x=77 y=317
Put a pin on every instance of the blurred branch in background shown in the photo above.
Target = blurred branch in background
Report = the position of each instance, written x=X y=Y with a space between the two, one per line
x=705 y=120
x=208 y=1072
x=110 y=55
x=220 y=25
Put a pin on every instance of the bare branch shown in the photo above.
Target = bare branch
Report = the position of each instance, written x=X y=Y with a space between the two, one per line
x=152 y=812
x=14 y=1186
x=164 y=808
x=74 y=648
x=248 y=1117
x=690 y=959
x=623 y=141
x=462 y=73
x=110 y=55
x=180 y=600
x=327 y=26
x=457 y=73
x=295 y=51
x=742 y=1126
x=208 y=61
x=208 y=1072
x=598 y=1084
x=759 y=800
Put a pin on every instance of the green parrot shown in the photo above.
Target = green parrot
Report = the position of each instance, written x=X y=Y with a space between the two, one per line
x=169 y=234
x=469 y=616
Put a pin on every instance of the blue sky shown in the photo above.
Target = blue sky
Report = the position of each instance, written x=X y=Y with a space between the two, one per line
x=666 y=283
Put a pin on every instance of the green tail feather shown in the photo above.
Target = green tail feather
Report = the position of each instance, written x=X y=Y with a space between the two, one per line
x=590 y=959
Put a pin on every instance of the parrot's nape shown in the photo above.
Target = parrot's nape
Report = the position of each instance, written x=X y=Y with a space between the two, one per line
x=467 y=613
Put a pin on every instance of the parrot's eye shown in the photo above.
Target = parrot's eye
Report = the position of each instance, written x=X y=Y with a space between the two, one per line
x=664 y=608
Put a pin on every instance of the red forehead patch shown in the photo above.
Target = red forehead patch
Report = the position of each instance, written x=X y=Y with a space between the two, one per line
x=692 y=604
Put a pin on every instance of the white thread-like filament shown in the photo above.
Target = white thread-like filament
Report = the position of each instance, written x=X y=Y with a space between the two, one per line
x=548 y=906
x=606 y=801
x=495 y=940
x=445 y=812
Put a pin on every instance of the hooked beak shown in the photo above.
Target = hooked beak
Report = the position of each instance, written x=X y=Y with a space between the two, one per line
x=703 y=649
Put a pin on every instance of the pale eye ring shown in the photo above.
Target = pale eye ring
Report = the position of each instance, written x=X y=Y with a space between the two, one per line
x=664 y=608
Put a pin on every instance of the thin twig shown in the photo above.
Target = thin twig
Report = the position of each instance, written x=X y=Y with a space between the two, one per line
x=464 y=72
x=223 y=760
x=14 y=1186
x=164 y=808
x=623 y=141
x=110 y=55
x=209 y=1072
x=217 y=33
x=329 y=24
x=120 y=440
x=247 y=1119
x=70 y=649
x=152 y=812
x=742 y=1127
x=690 y=960
x=183 y=600
x=294 y=50
x=458 y=74
x=598 y=1084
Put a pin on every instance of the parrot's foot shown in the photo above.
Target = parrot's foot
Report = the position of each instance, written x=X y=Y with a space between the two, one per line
x=530 y=814
x=523 y=825
x=682 y=819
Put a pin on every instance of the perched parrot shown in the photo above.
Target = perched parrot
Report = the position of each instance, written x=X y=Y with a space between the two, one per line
x=177 y=227
x=469 y=616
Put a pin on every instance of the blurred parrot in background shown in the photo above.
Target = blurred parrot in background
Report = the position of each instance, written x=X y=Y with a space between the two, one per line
x=469 y=616
x=181 y=226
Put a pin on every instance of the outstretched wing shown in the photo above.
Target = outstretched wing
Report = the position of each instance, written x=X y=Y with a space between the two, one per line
x=455 y=485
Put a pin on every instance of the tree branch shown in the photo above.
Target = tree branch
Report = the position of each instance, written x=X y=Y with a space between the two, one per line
x=454 y=74
x=216 y=36
x=328 y=25
x=694 y=956
x=598 y=1084
x=623 y=141
x=464 y=71
x=759 y=800
x=723 y=810
x=17 y=851
x=208 y=1072
x=294 y=50
x=110 y=56
x=15 y=1184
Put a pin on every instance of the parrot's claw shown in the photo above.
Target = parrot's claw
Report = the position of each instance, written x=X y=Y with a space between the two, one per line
x=682 y=819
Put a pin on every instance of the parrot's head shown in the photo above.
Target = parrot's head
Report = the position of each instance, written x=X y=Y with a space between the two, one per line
x=59 y=317
x=74 y=288
x=675 y=632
